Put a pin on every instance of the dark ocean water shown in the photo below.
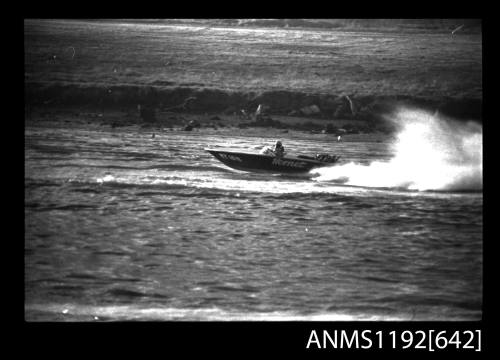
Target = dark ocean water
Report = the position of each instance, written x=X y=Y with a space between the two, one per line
x=123 y=226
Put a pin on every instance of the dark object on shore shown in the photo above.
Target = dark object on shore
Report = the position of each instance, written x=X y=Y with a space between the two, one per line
x=257 y=162
x=191 y=125
x=153 y=136
x=310 y=110
x=244 y=115
x=194 y=124
x=330 y=129
x=345 y=109
x=266 y=121
x=261 y=114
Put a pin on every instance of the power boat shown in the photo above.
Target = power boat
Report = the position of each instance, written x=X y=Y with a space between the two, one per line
x=268 y=161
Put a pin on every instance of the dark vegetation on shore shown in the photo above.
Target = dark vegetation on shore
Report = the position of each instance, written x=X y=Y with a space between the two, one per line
x=155 y=74
x=368 y=111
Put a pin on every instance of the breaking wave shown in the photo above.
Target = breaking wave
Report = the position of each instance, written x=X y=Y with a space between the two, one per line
x=430 y=153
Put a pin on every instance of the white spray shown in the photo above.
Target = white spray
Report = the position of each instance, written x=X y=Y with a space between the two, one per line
x=430 y=153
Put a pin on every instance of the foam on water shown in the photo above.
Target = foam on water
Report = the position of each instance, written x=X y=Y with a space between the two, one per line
x=203 y=181
x=430 y=153
x=267 y=185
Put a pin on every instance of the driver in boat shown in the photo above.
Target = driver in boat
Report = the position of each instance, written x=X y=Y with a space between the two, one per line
x=278 y=150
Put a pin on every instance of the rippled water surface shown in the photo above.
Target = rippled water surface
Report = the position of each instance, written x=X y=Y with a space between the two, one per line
x=120 y=225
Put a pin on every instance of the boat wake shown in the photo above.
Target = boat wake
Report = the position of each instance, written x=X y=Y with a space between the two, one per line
x=430 y=153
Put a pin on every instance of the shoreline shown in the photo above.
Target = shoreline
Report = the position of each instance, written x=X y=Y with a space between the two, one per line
x=196 y=123
x=194 y=107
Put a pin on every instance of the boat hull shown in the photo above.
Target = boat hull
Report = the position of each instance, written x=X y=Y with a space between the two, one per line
x=266 y=163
